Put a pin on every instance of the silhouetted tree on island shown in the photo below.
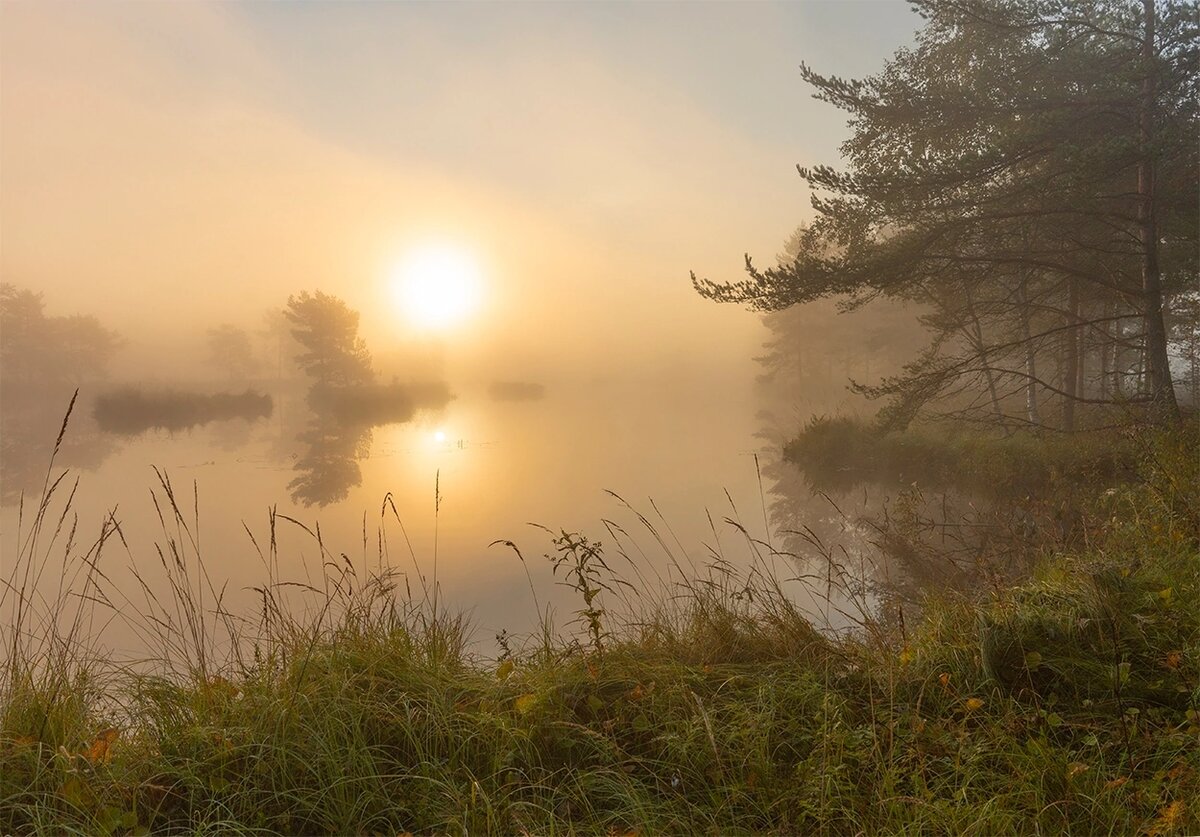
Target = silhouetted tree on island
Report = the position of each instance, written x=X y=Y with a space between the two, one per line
x=326 y=329
x=1028 y=172
x=330 y=351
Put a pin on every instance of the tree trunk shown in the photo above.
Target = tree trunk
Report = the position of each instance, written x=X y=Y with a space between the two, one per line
x=975 y=336
x=1162 y=390
x=1194 y=399
x=1071 y=356
x=1031 y=395
x=1083 y=345
x=1120 y=364
x=1105 y=346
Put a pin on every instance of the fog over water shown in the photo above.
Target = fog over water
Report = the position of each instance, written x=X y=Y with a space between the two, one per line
x=172 y=175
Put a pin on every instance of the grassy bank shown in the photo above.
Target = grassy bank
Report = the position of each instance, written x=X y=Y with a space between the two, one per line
x=1066 y=705
x=840 y=453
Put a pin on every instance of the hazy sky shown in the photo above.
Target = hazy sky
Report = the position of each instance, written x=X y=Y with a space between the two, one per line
x=173 y=166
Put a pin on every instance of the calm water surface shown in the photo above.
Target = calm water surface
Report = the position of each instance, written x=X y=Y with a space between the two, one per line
x=461 y=477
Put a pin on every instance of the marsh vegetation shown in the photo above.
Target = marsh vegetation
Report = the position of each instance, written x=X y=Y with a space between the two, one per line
x=129 y=412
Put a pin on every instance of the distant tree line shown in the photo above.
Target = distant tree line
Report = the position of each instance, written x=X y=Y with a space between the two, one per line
x=37 y=350
x=230 y=350
x=814 y=349
x=1026 y=174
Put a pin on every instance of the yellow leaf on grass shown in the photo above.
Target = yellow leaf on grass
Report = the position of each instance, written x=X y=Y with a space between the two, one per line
x=1178 y=770
x=1168 y=819
x=101 y=750
x=218 y=688
x=974 y=703
x=526 y=703
x=1174 y=658
x=504 y=669
x=74 y=791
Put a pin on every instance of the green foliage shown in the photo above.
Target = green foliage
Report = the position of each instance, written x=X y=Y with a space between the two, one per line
x=839 y=453
x=1015 y=172
x=585 y=572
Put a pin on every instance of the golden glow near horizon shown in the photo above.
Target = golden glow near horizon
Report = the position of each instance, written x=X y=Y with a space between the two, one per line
x=273 y=150
x=437 y=287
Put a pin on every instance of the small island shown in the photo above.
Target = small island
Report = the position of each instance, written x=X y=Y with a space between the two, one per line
x=128 y=412
x=516 y=391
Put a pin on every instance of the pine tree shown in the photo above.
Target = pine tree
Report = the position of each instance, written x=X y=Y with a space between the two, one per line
x=1029 y=170
x=327 y=331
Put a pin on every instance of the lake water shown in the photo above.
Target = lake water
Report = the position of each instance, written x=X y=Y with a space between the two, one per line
x=462 y=476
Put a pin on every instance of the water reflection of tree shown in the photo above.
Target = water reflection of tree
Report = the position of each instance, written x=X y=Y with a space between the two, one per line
x=814 y=353
x=883 y=547
x=338 y=434
x=869 y=548
x=29 y=425
x=827 y=535
x=344 y=401
x=235 y=435
x=329 y=467
x=42 y=360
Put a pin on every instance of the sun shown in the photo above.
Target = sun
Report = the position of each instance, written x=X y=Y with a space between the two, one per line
x=437 y=287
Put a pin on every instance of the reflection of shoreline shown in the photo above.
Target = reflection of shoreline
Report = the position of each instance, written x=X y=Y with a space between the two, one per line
x=516 y=391
x=888 y=533
x=29 y=424
x=329 y=467
x=129 y=412
x=338 y=434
